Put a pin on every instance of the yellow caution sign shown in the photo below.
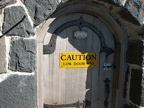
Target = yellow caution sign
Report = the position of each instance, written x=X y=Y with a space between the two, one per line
x=78 y=60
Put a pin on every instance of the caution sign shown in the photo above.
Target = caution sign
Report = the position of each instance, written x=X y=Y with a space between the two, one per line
x=77 y=60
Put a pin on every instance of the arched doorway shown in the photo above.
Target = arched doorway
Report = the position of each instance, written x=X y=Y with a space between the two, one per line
x=81 y=59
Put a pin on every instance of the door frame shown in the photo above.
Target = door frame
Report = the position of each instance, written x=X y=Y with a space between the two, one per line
x=119 y=51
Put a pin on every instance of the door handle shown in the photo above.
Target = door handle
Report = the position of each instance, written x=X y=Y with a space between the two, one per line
x=107 y=90
x=108 y=66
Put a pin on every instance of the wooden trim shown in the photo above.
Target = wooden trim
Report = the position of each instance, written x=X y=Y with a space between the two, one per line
x=43 y=30
x=40 y=75
x=116 y=76
x=88 y=9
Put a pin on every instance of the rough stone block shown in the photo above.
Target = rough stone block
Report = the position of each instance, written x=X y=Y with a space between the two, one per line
x=136 y=8
x=2 y=55
x=12 y=17
x=142 y=96
x=135 y=86
x=134 y=52
x=3 y=3
x=18 y=91
x=40 y=9
x=22 y=55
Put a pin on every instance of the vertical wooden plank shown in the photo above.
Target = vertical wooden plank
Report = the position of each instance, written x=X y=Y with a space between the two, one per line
x=62 y=71
x=72 y=73
x=48 y=60
x=53 y=92
x=40 y=98
x=103 y=59
x=93 y=46
x=89 y=47
x=47 y=72
x=95 y=73
x=89 y=71
x=76 y=85
x=59 y=78
x=82 y=72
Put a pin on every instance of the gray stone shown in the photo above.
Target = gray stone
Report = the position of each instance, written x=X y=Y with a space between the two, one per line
x=12 y=16
x=31 y=6
x=2 y=55
x=135 y=86
x=40 y=9
x=134 y=51
x=132 y=90
x=12 y=1
x=18 y=91
x=136 y=8
x=3 y=3
x=22 y=55
x=142 y=84
x=142 y=96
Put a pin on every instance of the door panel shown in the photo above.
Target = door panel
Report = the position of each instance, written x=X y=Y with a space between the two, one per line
x=69 y=85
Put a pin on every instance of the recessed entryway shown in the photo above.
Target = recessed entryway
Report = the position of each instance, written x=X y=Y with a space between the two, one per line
x=81 y=59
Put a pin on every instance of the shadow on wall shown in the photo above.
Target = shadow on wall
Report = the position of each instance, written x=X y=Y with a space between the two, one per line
x=18 y=91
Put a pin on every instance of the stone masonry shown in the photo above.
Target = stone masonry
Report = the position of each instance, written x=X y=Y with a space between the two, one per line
x=19 y=20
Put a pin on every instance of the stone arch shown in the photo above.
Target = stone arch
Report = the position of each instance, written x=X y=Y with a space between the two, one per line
x=120 y=47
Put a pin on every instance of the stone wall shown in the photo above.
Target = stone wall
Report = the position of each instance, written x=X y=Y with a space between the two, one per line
x=135 y=7
x=19 y=21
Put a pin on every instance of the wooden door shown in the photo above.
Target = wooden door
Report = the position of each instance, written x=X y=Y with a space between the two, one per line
x=83 y=86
